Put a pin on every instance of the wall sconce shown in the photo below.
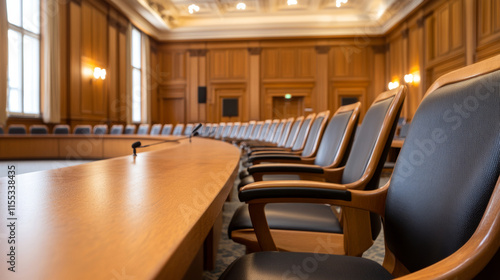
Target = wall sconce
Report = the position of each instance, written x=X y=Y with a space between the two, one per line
x=99 y=73
x=413 y=78
x=393 y=85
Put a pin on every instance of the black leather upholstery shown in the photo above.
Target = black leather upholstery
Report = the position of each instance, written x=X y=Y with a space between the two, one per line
x=290 y=265
x=277 y=133
x=313 y=137
x=445 y=172
x=291 y=216
x=302 y=136
x=332 y=138
x=364 y=141
x=129 y=130
x=143 y=130
x=167 y=129
x=39 y=130
x=258 y=168
x=61 y=130
x=99 y=130
x=17 y=130
x=82 y=130
x=116 y=130
x=247 y=195
x=274 y=157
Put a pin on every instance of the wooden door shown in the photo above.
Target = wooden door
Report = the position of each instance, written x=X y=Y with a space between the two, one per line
x=286 y=108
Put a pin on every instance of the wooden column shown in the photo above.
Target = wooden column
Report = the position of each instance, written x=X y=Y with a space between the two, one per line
x=379 y=70
x=470 y=31
x=196 y=77
x=254 y=83
x=322 y=78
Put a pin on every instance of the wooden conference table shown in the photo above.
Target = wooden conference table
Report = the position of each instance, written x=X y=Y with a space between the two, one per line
x=121 y=218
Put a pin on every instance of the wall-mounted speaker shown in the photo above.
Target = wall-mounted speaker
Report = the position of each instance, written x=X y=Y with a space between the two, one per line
x=202 y=95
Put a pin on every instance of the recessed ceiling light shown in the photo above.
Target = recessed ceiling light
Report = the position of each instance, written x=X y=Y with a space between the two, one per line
x=340 y=2
x=241 y=6
x=291 y=2
x=193 y=8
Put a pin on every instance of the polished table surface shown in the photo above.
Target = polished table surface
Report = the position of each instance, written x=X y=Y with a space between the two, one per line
x=141 y=217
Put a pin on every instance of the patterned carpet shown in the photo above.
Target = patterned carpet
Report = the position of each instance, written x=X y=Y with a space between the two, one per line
x=229 y=251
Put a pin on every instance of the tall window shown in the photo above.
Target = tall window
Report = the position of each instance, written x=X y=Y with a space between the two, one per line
x=136 y=75
x=23 y=96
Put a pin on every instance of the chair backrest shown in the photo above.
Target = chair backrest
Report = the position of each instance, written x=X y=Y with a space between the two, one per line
x=178 y=129
x=227 y=130
x=155 y=129
x=188 y=129
x=250 y=129
x=257 y=130
x=61 y=129
x=272 y=131
x=130 y=129
x=279 y=131
x=294 y=132
x=447 y=169
x=213 y=129
x=100 y=129
x=82 y=129
x=17 y=129
x=371 y=143
x=206 y=130
x=403 y=131
x=339 y=134
x=265 y=130
x=234 y=131
x=315 y=134
x=116 y=129
x=242 y=130
x=143 y=129
x=220 y=129
x=167 y=129
x=286 y=132
x=39 y=129
x=300 y=142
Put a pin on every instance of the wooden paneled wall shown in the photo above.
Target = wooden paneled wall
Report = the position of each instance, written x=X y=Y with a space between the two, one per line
x=256 y=72
x=439 y=37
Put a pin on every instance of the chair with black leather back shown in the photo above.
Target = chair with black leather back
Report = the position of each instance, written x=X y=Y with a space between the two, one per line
x=16 y=129
x=441 y=208
x=61 y=129
x=237 y=134
x=100 y=129
x=219 y=130
x=261 y=135
x=268 y=137
x=143 y=129
x=206 y=130
x=213 y=130
x=234 y=131
x=82 y=129
x=116 y=129
x=362 y=170
x=167 y=129
x=178 y=129
x=188 y=129
x=227 y=130
x=155 y=129
x=281 y=135
x=39 y=129
x=130 y=129
x=332 y=152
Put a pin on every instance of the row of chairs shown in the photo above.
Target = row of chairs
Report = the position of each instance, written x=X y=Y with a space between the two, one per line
x=441 y=207
x=101 y=129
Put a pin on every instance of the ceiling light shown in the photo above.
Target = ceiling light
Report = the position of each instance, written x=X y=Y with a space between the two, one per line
x=340 y=2
x=193 y=8
x=291 y=2
x=241 y=6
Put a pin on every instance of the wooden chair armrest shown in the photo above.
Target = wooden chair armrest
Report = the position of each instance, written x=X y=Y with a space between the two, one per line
x=257 y=195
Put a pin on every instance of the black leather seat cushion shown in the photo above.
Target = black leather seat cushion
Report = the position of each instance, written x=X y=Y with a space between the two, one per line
x=290 y=216
x=290 y=265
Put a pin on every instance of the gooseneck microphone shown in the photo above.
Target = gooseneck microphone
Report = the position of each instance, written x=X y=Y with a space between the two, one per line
x=194 y=133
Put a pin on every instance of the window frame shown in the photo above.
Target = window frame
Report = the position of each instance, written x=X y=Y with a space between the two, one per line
x=24 y=32
x=132 y=73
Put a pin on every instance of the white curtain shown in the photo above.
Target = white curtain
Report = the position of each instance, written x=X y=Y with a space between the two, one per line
x=129 y=73
x=51 y=90
x=4 y=58
x=145 y=73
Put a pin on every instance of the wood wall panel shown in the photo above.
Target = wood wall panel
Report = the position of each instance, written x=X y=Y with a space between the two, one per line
x=488 y=28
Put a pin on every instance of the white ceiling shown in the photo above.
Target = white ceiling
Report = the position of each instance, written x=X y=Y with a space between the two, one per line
x=217 y=19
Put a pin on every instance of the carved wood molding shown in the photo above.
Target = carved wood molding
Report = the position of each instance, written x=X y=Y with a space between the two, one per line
x=254 y=51
x=322 y=49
